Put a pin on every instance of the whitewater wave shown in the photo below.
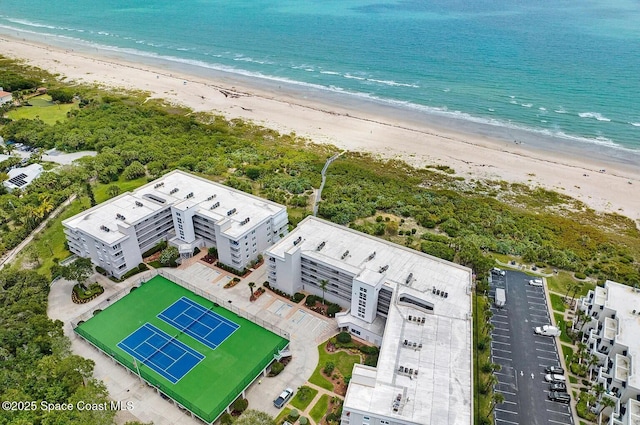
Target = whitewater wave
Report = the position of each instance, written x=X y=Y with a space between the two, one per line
x=560 y=111
x=594 y=115
x=542 y=109
x=27 y=23
x=527 y=105
x=635 y=124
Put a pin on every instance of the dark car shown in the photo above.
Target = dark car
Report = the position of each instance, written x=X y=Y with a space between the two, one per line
x=559 y=397
x=559 y=387
x=283 y=398
x=554 y=369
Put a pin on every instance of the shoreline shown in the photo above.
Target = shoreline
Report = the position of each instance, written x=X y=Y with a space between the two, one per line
x=355 y=124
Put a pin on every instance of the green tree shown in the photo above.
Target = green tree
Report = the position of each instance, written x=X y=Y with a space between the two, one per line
x=133 y=171
x=169 y=256
x=113 y=190
x=78 y=271
x=254 y=417
x=61 y=95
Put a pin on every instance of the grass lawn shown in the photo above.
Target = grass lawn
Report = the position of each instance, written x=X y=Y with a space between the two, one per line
x=221 y=373
x=100 y=190
x=49 y=243
x=573 y=379
x=303 y=397
x=562 y=325
x=283 y=415
x=567 y=352
x=556 y=303
x=44 y=109
x=343 y=361
x=561 y=282
x=320 y=409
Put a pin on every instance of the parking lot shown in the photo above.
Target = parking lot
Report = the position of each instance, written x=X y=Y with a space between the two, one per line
x=523 y=355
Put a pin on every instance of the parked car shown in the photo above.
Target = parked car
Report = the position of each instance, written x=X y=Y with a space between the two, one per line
x=559 y=397
x=498 y=271
x=283 y=398
x=560 y=387
x=552 y=377
x=535 y=282
x=554 y=369
x=547 y=330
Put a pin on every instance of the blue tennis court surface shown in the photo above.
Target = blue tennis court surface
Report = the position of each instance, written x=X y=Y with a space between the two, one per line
x=198 y=322
x=169 y=357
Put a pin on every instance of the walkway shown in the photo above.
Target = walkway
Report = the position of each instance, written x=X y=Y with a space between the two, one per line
x=324 y=178
x=10 y=255
x=321 y=392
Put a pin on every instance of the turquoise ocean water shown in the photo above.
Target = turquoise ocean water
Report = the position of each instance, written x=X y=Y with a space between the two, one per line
x=564 y=72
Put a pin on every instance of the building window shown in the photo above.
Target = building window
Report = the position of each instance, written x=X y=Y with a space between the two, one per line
x=362 y=303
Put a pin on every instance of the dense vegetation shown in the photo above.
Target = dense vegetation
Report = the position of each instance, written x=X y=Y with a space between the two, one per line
x=138 y=139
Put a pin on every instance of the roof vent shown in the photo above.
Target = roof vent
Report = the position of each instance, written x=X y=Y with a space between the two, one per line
x=214 y=206
x=138 y=204
x=189 y=195
x=119 y=217
x=245 y=221
x=320 y=246
x=345 y=255
x=372 y=256
x=105 y=228
x=383 y=268
x=409 y=278
x=157 y=185
x=211 y=197
x=297 y=241
x=174 y=190
x=231 y=211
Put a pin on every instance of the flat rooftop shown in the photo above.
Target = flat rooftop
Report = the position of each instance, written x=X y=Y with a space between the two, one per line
x=417 y=273
x=441 y=390
x=625 y=300
x=183 y=191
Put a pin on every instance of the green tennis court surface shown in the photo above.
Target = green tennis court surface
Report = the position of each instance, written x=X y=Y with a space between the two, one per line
x=214 y=382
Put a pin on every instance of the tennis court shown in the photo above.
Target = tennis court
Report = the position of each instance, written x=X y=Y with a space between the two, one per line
x=162 y=353
x=194 y=351
x=198 y=322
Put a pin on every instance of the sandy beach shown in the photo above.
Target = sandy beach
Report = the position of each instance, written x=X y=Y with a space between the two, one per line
x=350 y=127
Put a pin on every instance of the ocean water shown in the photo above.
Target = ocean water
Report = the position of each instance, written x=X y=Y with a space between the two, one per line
x=567 y=71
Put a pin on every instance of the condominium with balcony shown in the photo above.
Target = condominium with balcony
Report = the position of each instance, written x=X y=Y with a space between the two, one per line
x=416 y=307
x=612 y=334
x=183 y=209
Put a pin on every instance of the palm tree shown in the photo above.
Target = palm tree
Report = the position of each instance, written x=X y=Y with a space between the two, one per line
x=606 y=402
x=251 y=285
x=576 y=288
x=491 y=381
x=496 y=398
x=323 y=286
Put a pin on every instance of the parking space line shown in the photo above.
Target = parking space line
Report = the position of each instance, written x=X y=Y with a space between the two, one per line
x=547 y=358
x=504 y=392
x=546 y=351
x=502 y=374
x=501 y=358
x=506 y=411
x=545 y=343
x=556 y=422
x=498 y=321
x=500 y=329
x=509 y=402
x=501 y=350
x=506 y=421
x=501 y=336
x=559 y=413
x=503 y=343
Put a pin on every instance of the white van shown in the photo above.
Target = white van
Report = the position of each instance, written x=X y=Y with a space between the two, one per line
x=547 y=330
x=555 y=378
x=500 y=297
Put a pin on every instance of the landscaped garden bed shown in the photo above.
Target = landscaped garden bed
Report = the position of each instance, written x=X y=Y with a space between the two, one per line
x=81 y=295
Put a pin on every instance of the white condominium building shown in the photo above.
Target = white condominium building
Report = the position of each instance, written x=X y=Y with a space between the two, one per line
x=416 y=307
x=612 y=334
x=187 y=211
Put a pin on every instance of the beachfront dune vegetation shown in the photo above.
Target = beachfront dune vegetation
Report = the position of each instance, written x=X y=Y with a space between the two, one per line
x=459 y=219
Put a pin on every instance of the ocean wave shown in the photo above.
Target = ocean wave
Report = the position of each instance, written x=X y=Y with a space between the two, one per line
x=595 y=115
x=392 y=83
x=527 y=105
x=37 y=25
x=635 y=124
x=543 y=109
x=330 y=73
x=560 y=111
x=353 y=77
x=243 y=58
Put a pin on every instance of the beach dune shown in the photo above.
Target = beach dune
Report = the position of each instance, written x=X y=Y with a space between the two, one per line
x=350 y=126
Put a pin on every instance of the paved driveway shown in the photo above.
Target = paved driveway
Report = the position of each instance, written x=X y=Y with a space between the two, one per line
x=524 y=355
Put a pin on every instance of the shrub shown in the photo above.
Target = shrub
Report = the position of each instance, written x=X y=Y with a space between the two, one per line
x=157 y=248
x=212 y=251
x=329 y=367
x=240 y=405
x=333 y=309
x=226 y=419
x=580 y=275
x=298 y=296
x=142 y=267
x=101 y=270
x=312 y=300
x=344 y=337
x=196 y=251
x=276 y=368
x=294 y=415
x=303 y=420
x=366 y=349
x=169 y=256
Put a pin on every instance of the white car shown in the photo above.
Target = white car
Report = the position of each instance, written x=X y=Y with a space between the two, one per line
x=547 y=330
x=283 y=398
x=554 y=378
x=535 y=282
x=498 y=271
